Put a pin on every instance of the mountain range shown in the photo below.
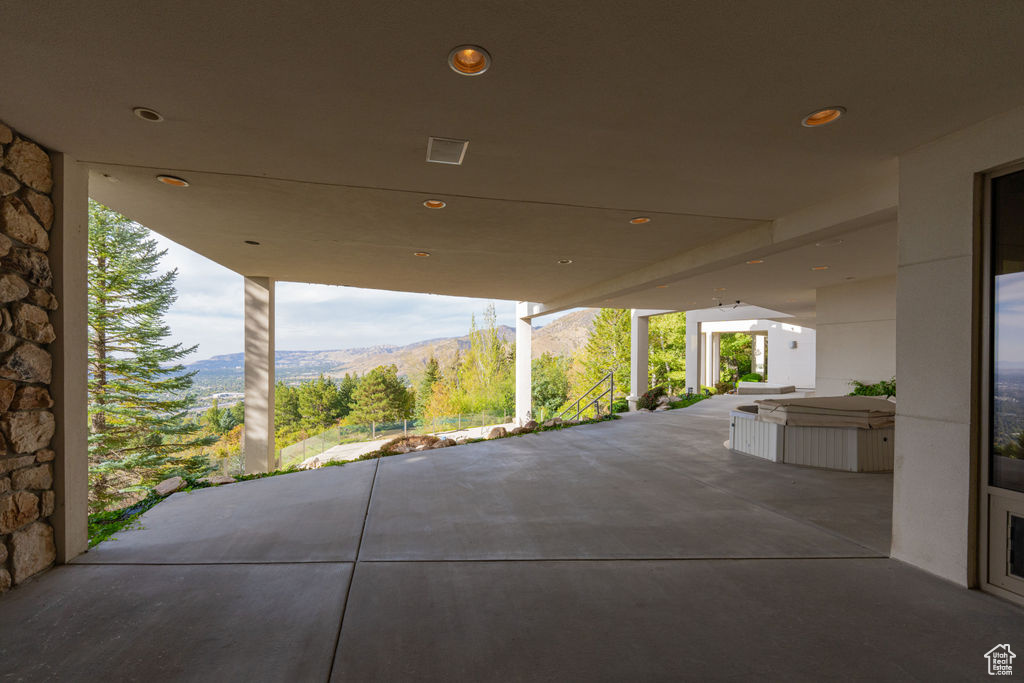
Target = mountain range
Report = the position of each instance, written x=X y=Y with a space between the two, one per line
x=562 y=336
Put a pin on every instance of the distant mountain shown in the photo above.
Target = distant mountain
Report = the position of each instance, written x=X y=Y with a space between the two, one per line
x=563 y=336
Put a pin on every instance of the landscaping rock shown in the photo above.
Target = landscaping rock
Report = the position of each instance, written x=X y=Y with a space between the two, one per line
x=218 y=480
x=421 y=448
x=661 y=408
x=18 y=222
x=28 y=431
x=461 y=442
x=674 y=399
x=27 y=363
x=17 y=509
x=32 y=551
x=445 y=443
x=519 y=430
x=169 y=486
x=32 y=323
x=30 y=398
x=39 y=477
x=497 y=433
x=531 y=425
x=31 y=165
x=662 y=400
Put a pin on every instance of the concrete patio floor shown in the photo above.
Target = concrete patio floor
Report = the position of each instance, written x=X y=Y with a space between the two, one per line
x=640 y=549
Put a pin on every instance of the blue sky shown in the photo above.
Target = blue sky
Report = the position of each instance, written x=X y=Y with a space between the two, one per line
x=209 y=311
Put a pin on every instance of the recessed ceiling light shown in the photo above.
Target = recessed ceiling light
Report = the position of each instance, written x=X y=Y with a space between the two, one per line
x=819 y=267
x=829 y=243
x=253 y=243
x=434 y=204
x=639 y=220
x=423 y=254
x=469 y=60
x=173 y=181
x=662 y=286
x=565 y=261
x=822 y=116
x=719 y=289
x=147 y=114
x=755 y=261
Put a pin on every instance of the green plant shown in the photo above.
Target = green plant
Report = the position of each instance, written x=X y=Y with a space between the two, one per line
x=752 y=377
x=724 y=387
x=620 y=405
x=886 y=388
x=649 y=399
x=686 y=402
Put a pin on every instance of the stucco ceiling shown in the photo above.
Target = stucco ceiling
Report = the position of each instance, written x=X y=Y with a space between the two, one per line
x=304 y=125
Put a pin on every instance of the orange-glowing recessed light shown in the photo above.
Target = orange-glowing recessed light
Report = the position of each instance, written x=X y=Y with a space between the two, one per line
x=469 y=60
x=173 y=181
x=147 y=114
x=564 y=261
x=661 y=286
x=639 y=220
x=822 y=116
x=755 y=261
x=719 y=289
x=434 y=204
x=819 y=267
x=423 y=254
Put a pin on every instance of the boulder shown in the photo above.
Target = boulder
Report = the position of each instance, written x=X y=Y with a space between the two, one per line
x=662 y=400
x=444 y=443
x=549 y=424
x=674 y=399
x=497 y=433
x=661 y=408
x=169 y=486
x=520 y=430
x=421 y=447
x=31 y=165
x=461 y=442
x=218 y=479
x=531 y=425
x=32 y=550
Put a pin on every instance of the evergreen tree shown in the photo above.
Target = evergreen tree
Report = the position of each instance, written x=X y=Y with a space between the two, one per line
x=346 y=388
x=426 y=388
x=212 y=418
x=286 y=405
x=138 y=389
x=320 y=402
x=381 y=397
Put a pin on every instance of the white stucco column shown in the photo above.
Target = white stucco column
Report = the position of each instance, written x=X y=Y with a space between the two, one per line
x=259 y=375
x=69 y=242
x=759 y=358
x=524 y=378
x=715 y=358
x=639 y=326
x=693 y=353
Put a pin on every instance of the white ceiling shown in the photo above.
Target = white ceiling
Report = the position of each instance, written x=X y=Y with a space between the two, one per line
x=304 y=125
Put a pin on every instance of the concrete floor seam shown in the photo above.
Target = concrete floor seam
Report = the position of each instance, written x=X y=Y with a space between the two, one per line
x=352 y=576
x=779 y=558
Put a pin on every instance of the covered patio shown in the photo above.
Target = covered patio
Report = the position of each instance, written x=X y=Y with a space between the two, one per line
x=637 y=549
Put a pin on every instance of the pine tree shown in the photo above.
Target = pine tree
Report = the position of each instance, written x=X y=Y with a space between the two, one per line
x=381 y=397
x=138 y=390
x=426 y=387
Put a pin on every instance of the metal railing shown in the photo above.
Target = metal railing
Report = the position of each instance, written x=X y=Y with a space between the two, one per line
x=595 y=402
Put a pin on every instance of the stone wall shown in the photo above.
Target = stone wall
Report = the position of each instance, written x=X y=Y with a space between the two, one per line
x=26 y=296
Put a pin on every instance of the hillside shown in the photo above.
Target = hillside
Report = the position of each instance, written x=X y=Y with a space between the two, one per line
x=563 y=336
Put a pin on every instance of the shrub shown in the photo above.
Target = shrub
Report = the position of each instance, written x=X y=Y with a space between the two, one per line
x=886 y=388
x=724 y=387
x=649 y=400
x=620 y=405
x=751 y=377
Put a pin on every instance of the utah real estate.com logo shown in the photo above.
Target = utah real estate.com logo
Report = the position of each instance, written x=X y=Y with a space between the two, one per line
x=1000 y=660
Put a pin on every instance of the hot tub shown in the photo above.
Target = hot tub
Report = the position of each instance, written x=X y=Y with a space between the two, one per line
x=851 y=433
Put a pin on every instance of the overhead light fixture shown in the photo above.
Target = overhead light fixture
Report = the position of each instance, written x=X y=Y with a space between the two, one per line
x=434 y=204
x=639 y=220
x=719 y=289
x=422 y=254
x=829 y=243
x=565 y=261
x=661 y=286
x=147 y=114
x=253 y=243
x=819 y=267
x=469 y=60
x=446 y=150
x=755 y=261
x=173 y=181
x=822 y=117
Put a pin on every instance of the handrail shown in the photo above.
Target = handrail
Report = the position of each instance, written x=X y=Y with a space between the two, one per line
x=610 y=392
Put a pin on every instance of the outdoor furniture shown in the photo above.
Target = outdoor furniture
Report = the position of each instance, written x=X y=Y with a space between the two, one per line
x=852 y=433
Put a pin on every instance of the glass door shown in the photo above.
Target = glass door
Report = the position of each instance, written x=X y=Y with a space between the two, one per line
x=1005 y=440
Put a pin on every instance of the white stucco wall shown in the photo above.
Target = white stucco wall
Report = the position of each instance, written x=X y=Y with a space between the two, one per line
x=788 y=365
x=934 y=501
x=856 y=325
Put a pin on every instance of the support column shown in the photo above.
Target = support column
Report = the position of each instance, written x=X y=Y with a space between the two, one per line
x=258 y=446
x=639 y=326
x=693 y=354
x=758 y=365
x=524 y=358
x=715 y=358
x=69 y=241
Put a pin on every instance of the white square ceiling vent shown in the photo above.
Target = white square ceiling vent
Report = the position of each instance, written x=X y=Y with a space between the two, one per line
x=446 y=150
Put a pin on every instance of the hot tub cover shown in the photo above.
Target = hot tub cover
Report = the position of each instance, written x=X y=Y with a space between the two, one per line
x=862 y=412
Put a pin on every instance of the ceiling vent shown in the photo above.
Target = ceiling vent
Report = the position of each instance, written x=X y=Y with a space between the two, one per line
x=446 y=150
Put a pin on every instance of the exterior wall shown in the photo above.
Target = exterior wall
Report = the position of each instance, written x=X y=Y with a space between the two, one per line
x=856 y=334
x=934 y=500
x=27 y=498
x=787 y=365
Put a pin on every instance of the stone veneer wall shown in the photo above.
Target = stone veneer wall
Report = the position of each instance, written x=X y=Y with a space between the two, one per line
x=26 y=423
